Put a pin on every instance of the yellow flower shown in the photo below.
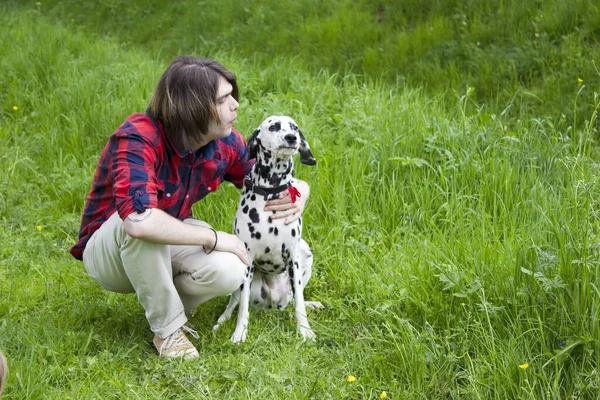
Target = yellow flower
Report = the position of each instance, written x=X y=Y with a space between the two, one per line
x=579 y=80
x=16 y=108
x=383 y=395
x=524 y=366
x=351 y=378
x=72 y=19
x=39 y=228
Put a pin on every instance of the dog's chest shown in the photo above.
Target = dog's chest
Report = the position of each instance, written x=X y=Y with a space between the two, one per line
x=271 y=243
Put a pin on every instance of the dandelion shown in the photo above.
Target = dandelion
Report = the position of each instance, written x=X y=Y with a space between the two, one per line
x=351 y=378
x=39 y=228
x=72 y=19
x=16 y=108
x=524 y=366
x=579 y=80
x=383 y=395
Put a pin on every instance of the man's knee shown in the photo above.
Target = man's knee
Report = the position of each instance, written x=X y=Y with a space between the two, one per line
x=231 y=272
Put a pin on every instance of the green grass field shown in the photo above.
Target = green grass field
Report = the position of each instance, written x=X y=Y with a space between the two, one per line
x=454 y=212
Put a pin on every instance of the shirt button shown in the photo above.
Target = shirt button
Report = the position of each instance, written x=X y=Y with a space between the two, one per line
x=168 y=194
x=187 y=196
x=209 y=188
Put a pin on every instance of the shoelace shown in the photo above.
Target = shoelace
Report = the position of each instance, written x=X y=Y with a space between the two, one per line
x=178 y=338
x=191 y=331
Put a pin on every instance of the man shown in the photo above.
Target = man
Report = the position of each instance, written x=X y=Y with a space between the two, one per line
x=137 y=231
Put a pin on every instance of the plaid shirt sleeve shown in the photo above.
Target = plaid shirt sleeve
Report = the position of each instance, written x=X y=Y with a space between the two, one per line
x=241 y=165
x=135 y=184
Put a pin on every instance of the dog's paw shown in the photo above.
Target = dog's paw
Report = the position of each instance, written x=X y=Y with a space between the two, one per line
x=307 y=333
x=314 y=305
x=239 y=336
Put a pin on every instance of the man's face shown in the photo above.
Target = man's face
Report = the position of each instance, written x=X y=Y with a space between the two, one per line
x=226 y=109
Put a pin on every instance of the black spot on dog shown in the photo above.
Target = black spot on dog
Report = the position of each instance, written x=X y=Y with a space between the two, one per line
x=243 y=202
x=294 y=232
x=254 y=216
x=245 y=209
x=276 y=127
x=267 y=250
x=263 y=293
x=253 y=198
x=257 y=235
x=269 y=220
x=271 y=230
x=275 y=231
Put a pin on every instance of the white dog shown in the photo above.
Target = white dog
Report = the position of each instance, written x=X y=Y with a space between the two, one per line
x=281 y=260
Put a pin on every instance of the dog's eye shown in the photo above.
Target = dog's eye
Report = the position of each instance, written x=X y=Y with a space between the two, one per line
x=276 y=127
x=294 y=127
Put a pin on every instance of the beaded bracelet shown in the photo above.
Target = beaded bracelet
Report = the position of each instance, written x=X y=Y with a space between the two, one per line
x=216 y=241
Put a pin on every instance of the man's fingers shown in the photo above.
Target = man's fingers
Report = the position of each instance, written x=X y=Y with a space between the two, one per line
x=285 y=213
x=294 y=217
x=278 y=207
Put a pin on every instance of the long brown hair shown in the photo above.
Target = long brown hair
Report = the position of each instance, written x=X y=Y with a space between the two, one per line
x=184 y=99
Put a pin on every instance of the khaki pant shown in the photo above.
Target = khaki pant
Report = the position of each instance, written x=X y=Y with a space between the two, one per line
x=168 y=280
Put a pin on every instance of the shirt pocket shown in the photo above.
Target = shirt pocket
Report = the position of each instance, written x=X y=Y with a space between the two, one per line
x=168 y=194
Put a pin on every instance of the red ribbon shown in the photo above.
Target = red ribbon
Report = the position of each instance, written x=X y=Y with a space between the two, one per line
x=294 y=193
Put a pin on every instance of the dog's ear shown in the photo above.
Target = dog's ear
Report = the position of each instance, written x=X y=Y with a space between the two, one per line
x=306 y=156
x=252 y=144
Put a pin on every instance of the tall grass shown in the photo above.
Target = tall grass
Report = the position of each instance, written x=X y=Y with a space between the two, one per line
x=453 y=242
x=538 y=48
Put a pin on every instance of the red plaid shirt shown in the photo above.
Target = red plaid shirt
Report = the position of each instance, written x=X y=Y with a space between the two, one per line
x=140 y=168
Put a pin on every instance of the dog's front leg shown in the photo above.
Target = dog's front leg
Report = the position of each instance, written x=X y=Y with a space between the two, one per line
x=241 y=327
x=233 y=302
x=300 y=306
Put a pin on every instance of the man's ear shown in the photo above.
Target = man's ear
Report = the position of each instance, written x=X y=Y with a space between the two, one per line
x=306 y=156
x=252 y=144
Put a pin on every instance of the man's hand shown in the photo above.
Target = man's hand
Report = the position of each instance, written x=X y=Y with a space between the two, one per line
x=284 y=206
x=231 y=244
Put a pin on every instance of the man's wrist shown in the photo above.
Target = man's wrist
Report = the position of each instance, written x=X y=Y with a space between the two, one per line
x=215 y=245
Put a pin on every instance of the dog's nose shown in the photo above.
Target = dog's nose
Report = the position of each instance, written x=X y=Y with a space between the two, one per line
x=290 y=138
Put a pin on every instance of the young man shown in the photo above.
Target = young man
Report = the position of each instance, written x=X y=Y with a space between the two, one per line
x=137 y=231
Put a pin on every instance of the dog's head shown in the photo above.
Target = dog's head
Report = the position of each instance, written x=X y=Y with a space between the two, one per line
x=281 y=137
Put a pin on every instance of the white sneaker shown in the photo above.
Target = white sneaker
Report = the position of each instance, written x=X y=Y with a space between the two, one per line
x=177 y=344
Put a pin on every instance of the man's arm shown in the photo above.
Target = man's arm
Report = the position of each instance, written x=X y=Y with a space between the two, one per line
x=155 y=225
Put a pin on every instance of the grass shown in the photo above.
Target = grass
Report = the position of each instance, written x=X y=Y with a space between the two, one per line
x=454 y=242
x=535 y=48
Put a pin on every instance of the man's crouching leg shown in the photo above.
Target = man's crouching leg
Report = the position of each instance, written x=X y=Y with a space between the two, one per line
x=200 y=277
x=124 y=264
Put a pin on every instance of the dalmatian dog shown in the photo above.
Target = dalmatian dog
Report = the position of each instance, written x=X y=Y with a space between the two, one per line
x=281 y=261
